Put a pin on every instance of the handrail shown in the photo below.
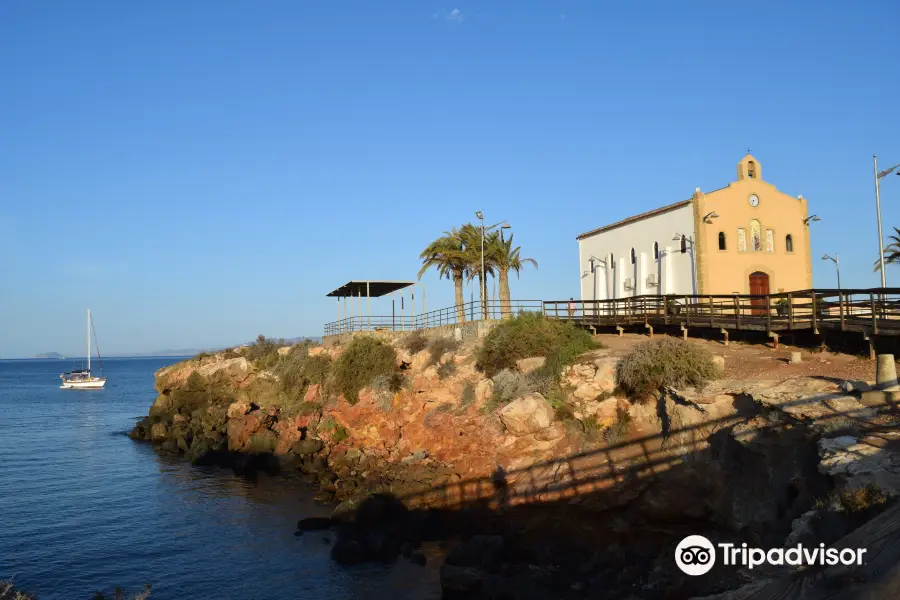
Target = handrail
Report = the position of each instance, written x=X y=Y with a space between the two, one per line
x=451 y=315
x=868 y=310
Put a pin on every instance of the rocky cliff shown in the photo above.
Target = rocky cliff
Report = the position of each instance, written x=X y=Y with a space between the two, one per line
x=772 y=460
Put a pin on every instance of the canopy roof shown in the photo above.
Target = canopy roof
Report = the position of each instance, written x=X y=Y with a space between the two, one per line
x=372 y=289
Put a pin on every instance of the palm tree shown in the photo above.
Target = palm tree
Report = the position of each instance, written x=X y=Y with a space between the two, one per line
x=506 y=258
x=891 y=251
x=447 y=255
x=471 y=235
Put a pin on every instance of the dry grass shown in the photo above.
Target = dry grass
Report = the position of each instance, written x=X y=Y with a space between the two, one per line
x=438 y=347
x=664 y=362
x=856 y=500
x=414 y=342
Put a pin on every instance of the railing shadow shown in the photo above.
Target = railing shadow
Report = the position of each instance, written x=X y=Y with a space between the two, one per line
x=617 y=477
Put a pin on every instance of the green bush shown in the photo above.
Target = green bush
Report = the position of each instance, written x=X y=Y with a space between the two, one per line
x=438 y=347
x=664 y=362
x=297 y=371
x=364 y=359
x=264 y=353
x=532 y=334
x=414 y=342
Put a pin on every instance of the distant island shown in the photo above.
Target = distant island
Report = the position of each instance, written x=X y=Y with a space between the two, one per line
x=56 y=355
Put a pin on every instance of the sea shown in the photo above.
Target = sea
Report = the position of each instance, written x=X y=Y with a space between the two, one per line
x=83 y=508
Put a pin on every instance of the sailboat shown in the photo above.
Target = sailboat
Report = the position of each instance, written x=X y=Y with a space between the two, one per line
x=82 y=379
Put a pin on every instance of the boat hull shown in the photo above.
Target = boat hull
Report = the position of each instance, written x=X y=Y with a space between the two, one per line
x=94 y=383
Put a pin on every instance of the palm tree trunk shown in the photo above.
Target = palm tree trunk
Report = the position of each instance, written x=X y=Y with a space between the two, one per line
x=458 y=288
x=481 y=295
x=505 y=311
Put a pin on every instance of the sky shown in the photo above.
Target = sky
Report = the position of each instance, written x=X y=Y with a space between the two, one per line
x=198 y=173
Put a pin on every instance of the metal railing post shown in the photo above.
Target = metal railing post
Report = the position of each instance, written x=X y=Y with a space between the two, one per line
x=841 y=307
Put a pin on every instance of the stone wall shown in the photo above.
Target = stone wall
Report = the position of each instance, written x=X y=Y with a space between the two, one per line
x=464 y=331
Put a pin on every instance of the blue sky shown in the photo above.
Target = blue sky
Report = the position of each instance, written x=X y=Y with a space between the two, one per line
x=201 y=172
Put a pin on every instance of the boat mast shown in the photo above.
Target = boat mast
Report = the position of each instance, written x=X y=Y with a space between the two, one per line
x=89 y=339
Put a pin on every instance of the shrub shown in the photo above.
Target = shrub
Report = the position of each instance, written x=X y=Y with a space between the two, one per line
x=383 y=386
x=230 y=353
x=446 y=370
x=467 y=398
x=618 y=430
x=438 y=347
x=338 y=432
x=509 y=385
x=415 y=342
x=297 y=371
x=861 y=499
x=664 y=362
x=264 y=353
x=532 y=334
x=364 y=359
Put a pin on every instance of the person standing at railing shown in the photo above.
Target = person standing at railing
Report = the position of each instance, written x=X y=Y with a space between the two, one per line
x=571 y=307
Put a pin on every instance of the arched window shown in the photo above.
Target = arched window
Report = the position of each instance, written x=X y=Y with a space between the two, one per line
x=721 y=240
x=683 y=244
x=655 y=250
x=751 y=169
x=632 y=256
x=755 y=236
x=789 y=243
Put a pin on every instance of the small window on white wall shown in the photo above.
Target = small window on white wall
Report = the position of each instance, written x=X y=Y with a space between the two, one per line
x=655 y=250
x=632 y=256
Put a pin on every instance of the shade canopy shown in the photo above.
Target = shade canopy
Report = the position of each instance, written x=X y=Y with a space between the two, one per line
x=372 y=289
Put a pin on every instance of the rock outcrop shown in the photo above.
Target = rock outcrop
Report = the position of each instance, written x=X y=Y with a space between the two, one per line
x=755 y=457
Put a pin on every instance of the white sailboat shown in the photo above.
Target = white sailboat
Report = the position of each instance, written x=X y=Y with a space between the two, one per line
x=82 y=379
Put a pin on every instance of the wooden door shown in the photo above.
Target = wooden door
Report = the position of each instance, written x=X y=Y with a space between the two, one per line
x=759 y=286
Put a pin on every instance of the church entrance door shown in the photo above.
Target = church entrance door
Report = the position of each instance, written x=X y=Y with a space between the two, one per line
x=759 y=286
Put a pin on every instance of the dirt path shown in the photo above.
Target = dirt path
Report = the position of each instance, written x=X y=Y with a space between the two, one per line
x=755 y=361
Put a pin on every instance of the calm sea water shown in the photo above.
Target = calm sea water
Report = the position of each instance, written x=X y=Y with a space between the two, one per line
x=84 y=508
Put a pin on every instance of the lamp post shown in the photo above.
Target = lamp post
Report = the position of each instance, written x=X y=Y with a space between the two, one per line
x=837 y=265
x=878 y=178
x=688 y=242
x=480 y=216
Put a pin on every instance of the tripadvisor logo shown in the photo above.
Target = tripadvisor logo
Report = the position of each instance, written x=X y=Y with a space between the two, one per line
x=696 y=555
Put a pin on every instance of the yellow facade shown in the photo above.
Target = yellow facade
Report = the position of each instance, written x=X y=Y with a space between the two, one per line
x=764 y=232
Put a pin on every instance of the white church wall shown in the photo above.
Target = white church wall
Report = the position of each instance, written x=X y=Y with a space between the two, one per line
x=674 y=270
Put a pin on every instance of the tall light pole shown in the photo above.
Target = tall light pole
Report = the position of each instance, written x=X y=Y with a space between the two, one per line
x=480 y=216
x=837 y=265
x=878 y=177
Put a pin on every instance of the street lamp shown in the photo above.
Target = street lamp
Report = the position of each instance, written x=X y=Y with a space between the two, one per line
x=480 y=216
x=878 y=177
x=811 y=218
x=837 y=265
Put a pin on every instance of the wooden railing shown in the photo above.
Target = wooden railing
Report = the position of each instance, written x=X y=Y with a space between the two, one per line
x=875 y=311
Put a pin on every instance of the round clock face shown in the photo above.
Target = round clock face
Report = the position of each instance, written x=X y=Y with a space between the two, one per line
x=754 y=200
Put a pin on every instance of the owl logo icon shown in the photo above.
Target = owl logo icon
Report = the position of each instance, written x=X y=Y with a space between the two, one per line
x=695 y=555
